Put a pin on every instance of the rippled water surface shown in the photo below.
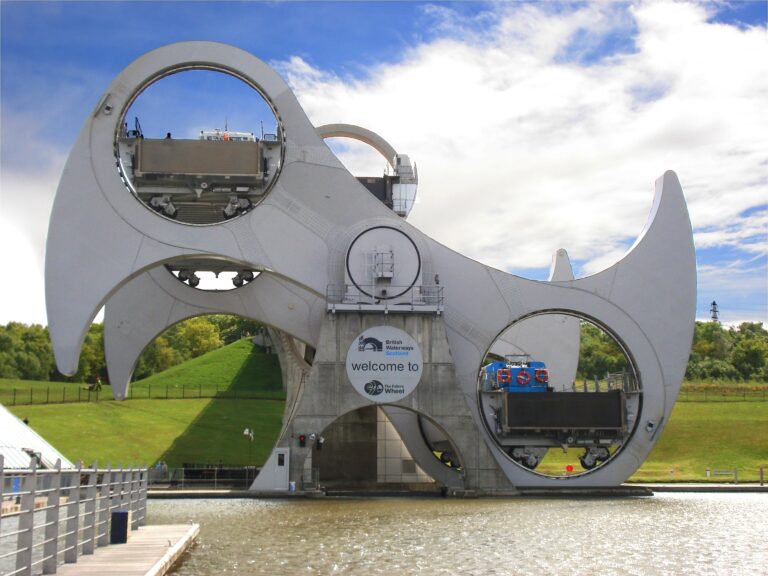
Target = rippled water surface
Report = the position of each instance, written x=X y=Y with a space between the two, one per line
x=664 y=534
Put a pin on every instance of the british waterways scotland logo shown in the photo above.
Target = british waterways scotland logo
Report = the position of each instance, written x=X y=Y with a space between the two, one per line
x=369 y=343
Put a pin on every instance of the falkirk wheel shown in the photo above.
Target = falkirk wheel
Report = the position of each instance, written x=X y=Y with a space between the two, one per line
x=330 y=268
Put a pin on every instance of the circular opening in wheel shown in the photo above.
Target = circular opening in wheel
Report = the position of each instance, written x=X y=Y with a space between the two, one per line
x=199 y=146
x=559 y=394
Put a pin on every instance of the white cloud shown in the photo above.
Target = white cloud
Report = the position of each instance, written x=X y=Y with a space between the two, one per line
x=541 y=151
x=23 y=294
x=37 y=128
x=27 y=198
x=748 y=233
x=25 y=207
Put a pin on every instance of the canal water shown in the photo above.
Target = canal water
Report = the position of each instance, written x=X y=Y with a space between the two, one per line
x=723 y=534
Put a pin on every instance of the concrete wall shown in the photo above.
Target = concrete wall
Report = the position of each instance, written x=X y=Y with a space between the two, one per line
x=349 y=452
x=394 y=463
x=328 y=395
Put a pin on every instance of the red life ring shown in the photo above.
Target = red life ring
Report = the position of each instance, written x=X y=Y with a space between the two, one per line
x=503 y=375
x=523 y=378
x=541 y=375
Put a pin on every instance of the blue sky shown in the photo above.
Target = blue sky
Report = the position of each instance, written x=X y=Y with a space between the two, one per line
x=565 y=111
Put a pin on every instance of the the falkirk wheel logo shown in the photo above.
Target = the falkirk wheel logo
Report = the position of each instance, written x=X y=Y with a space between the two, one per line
x=370 y=343
x=373 y=388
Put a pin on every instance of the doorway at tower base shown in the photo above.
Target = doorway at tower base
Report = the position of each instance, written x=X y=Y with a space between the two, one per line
x=363 y=450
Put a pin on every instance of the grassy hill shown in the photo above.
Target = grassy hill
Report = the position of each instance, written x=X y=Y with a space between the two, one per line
x=245 y=391
x=239 y=369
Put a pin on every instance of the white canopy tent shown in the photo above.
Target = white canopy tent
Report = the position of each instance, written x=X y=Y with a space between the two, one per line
x=19 y=444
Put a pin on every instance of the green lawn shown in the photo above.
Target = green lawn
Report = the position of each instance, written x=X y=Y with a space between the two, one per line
x=241 y=388
x=709 y=435
x=141 y=432
x=699 y=435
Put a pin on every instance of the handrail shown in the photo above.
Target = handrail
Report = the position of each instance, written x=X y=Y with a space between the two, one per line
x=389 y=298
x=68 y=525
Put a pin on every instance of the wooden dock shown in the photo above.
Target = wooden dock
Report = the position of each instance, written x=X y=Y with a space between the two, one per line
x=150 y=551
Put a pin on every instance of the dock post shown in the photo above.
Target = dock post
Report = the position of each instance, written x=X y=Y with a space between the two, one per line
x=103 y=531
x=143 y=497
x=89 y=518
x=73 y=515
x=2 y=483
x=135 y=493
x=51 y=545
x=26 y=523
x=121 y=487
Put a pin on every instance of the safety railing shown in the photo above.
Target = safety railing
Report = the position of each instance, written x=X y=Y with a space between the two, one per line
x=310 y=479
x=730 y=473
x=623 y=380
x=202 y=476
x=386 y=298
x=51 y=517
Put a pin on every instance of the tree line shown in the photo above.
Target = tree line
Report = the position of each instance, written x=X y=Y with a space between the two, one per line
x=718 y=352
x=26 y=352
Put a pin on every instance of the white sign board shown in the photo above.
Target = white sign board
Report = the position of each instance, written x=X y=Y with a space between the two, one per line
x=384 y=364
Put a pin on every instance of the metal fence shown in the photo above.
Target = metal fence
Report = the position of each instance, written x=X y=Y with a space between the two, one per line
x=630 y=386
x=732 y=474
x=56 y=394
x=627 y=382
x=202 y=476
x=73 y=394
x=50 y=517
x=723 y=395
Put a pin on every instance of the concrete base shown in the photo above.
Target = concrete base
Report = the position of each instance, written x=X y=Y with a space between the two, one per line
x=328 y=396
x=596 y=492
